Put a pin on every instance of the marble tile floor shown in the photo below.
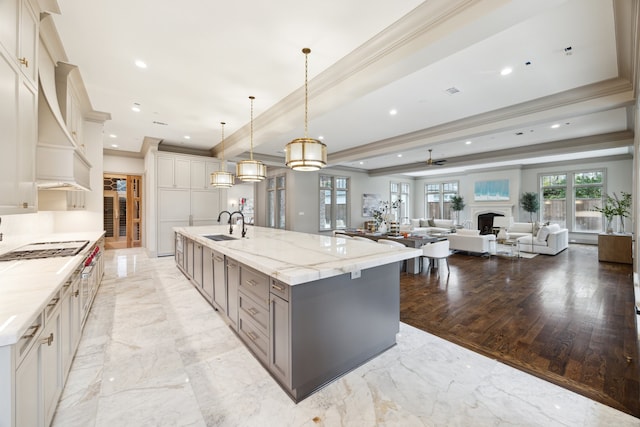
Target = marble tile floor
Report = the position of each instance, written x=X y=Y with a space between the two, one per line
x=154 y=353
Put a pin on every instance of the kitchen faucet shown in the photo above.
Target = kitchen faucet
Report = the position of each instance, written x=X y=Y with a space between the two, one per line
x=231 y=226
x=220 y=215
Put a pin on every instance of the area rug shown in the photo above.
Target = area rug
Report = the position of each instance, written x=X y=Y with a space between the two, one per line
x=505 y=250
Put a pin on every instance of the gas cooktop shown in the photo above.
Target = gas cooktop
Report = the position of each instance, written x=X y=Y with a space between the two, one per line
x=45 y=250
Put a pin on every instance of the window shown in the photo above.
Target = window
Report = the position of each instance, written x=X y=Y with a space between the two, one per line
x=276 y=202
x=400 y=190
x=580 y=191
x=438 y=199
x=334 y=202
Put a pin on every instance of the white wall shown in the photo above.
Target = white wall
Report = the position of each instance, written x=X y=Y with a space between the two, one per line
x=123 y=165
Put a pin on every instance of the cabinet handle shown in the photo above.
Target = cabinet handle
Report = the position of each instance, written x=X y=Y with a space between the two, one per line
x=251 y=335
x=76 y=293
x=251 y=283
x=66 y=285
x=48 y=340
x=277 y=287
x=53 y=302
x=24 y=61
x=217 y=258
x=252 y=311
x=33 y=330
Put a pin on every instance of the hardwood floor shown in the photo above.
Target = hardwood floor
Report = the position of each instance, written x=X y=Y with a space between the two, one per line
x=568 y=319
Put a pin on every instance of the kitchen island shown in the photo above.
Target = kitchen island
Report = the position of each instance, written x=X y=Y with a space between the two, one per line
x=309 y=307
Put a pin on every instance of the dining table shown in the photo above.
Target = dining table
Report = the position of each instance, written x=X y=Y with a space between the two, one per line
x=415 y=241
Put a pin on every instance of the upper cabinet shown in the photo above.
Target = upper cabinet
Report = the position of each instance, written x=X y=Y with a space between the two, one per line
x=18 y=110
x=173 y=172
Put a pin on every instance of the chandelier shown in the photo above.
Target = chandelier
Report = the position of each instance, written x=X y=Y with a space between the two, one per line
x=251 y=170
x=222 y=178
x=306 y=154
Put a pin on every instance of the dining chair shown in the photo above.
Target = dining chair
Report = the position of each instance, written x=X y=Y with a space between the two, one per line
x=394 y=243
x=435 y=252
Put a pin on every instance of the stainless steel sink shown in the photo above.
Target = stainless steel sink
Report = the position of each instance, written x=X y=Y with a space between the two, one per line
x=219 y=237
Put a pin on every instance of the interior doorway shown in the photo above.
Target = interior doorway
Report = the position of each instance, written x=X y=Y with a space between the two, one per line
x=122 y=216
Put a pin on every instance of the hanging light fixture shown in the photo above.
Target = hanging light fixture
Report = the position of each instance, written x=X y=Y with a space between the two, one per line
x=251 y=170
x=222 y=178
x=306 y=154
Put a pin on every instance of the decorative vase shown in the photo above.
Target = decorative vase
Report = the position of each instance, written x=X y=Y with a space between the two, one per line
x=383 y=227
x=609 y=225
x=621 y=224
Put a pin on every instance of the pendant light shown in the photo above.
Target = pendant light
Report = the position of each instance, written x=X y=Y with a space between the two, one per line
x=222 y=178
x=251 y=170
x=306 y=154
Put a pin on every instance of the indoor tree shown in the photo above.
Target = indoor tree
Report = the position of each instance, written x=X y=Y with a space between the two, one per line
x=457 y=204
x=529 y=202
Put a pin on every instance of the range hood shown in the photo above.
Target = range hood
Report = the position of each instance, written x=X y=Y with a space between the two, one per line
x=60 y=165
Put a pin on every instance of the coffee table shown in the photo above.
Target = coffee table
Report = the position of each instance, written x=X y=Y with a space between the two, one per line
x=514 y=249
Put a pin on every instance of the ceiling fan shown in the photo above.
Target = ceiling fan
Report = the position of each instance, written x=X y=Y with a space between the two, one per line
x=431 y=162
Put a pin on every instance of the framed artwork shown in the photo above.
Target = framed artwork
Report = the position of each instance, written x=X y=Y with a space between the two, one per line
x=497 y=189
x=369 y=203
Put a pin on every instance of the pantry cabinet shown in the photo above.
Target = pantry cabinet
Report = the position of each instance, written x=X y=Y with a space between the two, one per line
x=184 y=196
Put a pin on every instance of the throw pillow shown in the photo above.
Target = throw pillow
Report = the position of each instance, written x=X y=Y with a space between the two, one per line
x=554 y=228
x=424 y=223
x=415 y=223
x=543 y=233
x=432 y=223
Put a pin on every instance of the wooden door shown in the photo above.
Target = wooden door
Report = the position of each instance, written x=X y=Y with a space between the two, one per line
x=122 y=217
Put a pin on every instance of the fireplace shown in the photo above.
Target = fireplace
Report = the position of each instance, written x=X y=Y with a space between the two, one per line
x=485 y=222
x=493 y=209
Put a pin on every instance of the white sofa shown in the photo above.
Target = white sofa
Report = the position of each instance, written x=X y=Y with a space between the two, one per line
x=471 y=241
x=550 y=240
x=421 y=226
x=519 y=229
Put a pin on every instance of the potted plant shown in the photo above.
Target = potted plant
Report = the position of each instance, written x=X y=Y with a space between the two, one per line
x=615 y=206
x=529 y=202
x=457 y=204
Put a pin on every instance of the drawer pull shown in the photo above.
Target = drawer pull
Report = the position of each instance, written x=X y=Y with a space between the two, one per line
x=48 y=340
x=252 y=311
x=53 y=302
x=252 y=283
x=24 y=61
x=33 y=330
x=217 y=258
x=251 y=335
x=277 y=287
x=76 y=293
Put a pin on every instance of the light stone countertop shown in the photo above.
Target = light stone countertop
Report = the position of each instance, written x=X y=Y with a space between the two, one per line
x=27 y=286
x=294 y=257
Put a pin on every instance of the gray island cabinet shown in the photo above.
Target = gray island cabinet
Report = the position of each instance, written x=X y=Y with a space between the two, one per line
x=310 y=308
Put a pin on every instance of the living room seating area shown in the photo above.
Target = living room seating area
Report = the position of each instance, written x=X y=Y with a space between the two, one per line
x=550 y=240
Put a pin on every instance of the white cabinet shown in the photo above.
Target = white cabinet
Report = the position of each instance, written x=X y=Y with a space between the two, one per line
x=173 y=211
x=28 y=392
x=200 y=174
x=173 y=172
x=18 y=124
x=28 y=42
x=76 y=200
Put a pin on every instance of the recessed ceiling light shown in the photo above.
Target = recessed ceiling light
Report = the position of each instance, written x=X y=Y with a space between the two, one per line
x=399 y=155
x=321 y=137
x=555 y=126
x=187 y=137
x=362 y=163
x=140 y=64
x=506 y=71
x=393 y=112
x=468 y=142
x=136 y=107
x=113 y=135
x=114 y=145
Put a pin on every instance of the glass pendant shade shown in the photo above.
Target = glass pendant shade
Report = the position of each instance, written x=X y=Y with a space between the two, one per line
x=306 y=154
x=251 y=170
x=222 y=179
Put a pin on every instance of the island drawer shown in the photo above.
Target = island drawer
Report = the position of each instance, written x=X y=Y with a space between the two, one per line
x=256 y=311
x=250 y=333
x=255 y=284
x=280 y=289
